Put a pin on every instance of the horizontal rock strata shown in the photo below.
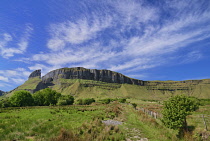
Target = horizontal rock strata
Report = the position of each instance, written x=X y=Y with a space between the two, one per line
x=89 y=74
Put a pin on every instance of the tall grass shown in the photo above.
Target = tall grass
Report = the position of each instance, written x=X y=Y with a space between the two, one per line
x=43 y=122
x=84 y=122
x=91 y=131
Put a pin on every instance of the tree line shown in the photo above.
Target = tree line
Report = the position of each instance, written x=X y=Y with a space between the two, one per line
x=43 y=97
x=47 y=97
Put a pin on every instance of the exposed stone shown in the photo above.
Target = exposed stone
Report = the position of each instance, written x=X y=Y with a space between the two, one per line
x=1 y=93
x=36 y=73
x=112 y=122
x=89 y=74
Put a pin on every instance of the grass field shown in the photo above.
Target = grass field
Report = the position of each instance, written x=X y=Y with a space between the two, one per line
x=84 y=123
x=43 y=123
x=80 y=122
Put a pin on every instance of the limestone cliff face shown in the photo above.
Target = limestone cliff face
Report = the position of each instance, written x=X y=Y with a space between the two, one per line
x=36 y=73
x=89 y=74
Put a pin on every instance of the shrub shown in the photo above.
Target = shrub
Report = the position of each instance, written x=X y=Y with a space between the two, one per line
x=65 y=100
x=86 y=101
x=105 y=101
x=5 y=103
x=134 y=105
x=122 y=100
x=79 y=101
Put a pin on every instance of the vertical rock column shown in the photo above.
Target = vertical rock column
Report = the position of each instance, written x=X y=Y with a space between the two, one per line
x=36 y=73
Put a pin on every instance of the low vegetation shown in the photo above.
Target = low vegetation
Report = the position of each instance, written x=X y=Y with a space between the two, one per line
x=50 y=116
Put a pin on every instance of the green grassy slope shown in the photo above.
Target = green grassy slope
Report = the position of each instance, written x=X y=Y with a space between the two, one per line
x=153 y=90
x=30 y=85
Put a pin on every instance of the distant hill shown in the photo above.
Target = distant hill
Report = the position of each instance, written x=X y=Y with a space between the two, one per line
x=82 y=82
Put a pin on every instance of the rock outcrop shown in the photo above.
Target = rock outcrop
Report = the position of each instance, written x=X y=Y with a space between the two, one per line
x=36 y=73
x=89 y=74
x=1 y=93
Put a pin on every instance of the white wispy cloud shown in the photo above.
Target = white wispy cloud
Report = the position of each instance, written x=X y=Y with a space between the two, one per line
x=2 y=85
x=134 y=12
x=71 y=32
x=5 y=79
x=44 y=68
x=128 y=36
x=17 y=76
x=10 y=46
x=191 y=57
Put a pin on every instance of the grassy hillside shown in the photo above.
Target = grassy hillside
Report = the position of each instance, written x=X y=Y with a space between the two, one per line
x=30 y=85
x=152 y=90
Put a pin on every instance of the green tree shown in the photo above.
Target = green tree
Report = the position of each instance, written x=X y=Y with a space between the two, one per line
x=39 y=99
x=21 y=98
x=46 y=97
x=175 y=111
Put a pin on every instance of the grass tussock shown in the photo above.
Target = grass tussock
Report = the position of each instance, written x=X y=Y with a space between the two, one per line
x=92 y=131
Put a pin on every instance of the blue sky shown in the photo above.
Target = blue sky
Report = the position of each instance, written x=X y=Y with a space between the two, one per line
x=143 y=39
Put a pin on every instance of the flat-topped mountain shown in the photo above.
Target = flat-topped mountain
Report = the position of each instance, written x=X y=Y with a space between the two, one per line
x=82 y=82
x=88 y=74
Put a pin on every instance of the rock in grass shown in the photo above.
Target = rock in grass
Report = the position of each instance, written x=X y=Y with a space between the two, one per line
x=111 y=122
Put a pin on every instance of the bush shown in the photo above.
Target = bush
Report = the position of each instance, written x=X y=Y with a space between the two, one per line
x=21 y=98
x=122 y=100
x=86 y=101
x=79 y=102
x=134 y=105
x=5 y=103
x=105 y=101
x=65 y=100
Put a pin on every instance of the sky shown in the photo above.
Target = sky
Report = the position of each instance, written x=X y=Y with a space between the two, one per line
x=142 y=39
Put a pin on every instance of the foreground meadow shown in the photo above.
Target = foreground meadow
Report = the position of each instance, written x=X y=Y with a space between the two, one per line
x=86 y=123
